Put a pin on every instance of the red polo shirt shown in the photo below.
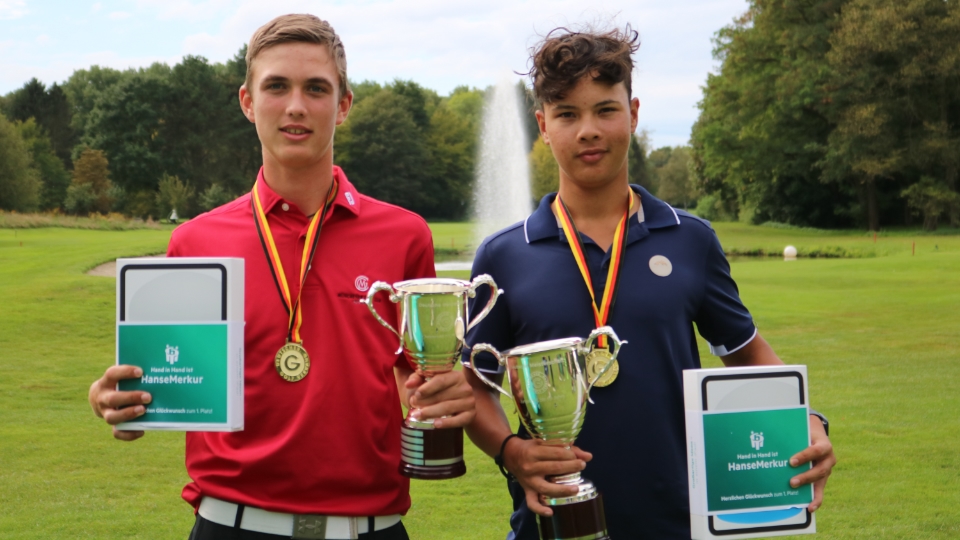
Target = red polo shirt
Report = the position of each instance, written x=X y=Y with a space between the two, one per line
x=330 y=443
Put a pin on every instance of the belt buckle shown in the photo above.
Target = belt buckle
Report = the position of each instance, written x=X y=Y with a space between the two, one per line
x=314 y=527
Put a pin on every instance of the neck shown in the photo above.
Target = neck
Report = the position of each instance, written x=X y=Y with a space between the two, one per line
x=596 y=211
x=599 y=204
x=305 y=187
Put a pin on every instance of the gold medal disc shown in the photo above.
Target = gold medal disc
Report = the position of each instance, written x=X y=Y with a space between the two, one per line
x=596 y=361
x=292 y=362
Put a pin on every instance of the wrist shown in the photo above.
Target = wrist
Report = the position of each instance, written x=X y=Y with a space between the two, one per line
x=499 y=459
x=823 y=420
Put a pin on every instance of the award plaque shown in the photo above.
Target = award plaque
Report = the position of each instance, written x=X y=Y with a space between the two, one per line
x=433 y=322
x=181 y=321
x=743 y=425
x=550 y=386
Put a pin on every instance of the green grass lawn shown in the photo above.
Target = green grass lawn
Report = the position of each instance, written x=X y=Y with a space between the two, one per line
x=879 y=334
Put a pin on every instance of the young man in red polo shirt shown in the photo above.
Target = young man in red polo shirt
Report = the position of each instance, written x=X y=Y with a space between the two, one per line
x=321 y=448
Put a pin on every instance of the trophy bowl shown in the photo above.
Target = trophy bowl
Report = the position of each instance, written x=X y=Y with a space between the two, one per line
x=433 y=316
x=548 y=384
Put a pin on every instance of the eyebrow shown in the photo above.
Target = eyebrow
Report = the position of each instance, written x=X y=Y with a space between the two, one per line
x=312 y=80
x=603 y=103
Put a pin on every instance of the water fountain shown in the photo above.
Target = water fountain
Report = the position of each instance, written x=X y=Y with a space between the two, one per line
x=502 y=193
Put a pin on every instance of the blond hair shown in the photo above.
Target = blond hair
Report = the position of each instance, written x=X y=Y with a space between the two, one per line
x=298 y=28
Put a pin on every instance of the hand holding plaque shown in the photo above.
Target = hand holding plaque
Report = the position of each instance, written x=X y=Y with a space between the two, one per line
x=433 y=322
x=550 y=386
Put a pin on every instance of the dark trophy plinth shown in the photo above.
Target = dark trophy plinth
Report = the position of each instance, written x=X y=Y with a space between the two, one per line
x=583 y=519
x=432 y=454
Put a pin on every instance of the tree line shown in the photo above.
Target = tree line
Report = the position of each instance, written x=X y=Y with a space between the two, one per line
x=143 y=142
x=834 y=113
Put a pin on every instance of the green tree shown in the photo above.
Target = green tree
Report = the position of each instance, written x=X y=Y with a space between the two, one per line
x=53 y=175
x=90 y=189
x=20 y=184
x=545 y=171
x=51 y=110
x=638 y=166
x=174 y=195
x=214 y=196
x=895 y=67
x=675 y=179
x=933 y=199
x=383 y=151
x=762 y=128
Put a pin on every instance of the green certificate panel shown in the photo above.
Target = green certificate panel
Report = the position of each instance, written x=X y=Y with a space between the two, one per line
x=184 y=369
x=747 y=459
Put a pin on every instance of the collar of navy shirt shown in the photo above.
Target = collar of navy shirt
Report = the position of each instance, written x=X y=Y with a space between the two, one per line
x=653 y=214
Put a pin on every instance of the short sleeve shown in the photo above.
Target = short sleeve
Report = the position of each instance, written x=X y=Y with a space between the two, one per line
x=494 y=329
x=722 y=319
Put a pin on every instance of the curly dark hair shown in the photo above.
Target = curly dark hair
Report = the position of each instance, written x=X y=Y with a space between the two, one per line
x=565 y=56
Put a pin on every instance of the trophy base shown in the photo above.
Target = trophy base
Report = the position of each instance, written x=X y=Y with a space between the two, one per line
x=582 y=520
x=431 y=454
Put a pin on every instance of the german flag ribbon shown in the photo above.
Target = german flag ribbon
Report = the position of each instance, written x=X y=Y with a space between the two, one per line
x=292 y=305
x=601 y=310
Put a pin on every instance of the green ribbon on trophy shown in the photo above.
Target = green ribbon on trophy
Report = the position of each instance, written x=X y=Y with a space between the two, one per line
x=600 y=357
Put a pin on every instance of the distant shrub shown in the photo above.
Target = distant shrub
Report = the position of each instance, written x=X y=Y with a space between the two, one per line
x=102 y=222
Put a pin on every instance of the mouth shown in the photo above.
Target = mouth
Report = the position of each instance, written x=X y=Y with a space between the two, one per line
x=592 y=155
x=295 y=130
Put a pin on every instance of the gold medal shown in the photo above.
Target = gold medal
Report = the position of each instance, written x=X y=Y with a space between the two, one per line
x=292 y=362
x=596 y=361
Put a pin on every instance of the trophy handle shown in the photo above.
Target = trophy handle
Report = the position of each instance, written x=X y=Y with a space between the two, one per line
x=613 y=339
x=483 y=279
x=479 y=347
x=374 y=289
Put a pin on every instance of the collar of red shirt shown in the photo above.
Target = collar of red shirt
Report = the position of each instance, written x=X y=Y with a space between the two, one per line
x=347 y=196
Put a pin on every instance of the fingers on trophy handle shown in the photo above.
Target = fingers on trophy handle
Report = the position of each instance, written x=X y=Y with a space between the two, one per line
x=480 y=347
x=483 y=279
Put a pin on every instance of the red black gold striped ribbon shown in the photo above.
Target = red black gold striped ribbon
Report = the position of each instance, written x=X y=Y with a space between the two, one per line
x=292 y=305
x=601 y=310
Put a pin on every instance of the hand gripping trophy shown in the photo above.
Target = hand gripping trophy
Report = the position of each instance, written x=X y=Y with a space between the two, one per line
x=433 y=322
x=549 y=384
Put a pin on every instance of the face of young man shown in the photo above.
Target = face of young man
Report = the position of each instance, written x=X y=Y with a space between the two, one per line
x=295 y=103
x=589 y=132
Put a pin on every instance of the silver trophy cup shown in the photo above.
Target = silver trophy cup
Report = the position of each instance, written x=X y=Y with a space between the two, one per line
x=433 y=322
x=549 y=385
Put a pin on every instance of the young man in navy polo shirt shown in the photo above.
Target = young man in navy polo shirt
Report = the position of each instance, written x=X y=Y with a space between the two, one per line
x=672 y=275
x=320 y=450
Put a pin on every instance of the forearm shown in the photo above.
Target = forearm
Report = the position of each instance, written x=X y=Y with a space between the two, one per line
x=490 y=426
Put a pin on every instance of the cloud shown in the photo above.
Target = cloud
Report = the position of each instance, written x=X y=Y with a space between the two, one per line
x=96 y=7
x=12 y=9
x=119 y=15
x=43 y=39
x=185 y=10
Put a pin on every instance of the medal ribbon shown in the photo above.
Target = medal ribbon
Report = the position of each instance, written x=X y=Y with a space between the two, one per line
x=601 y=310
x=294 y=311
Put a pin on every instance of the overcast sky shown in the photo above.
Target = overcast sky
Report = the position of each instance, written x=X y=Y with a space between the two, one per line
x=440 y=44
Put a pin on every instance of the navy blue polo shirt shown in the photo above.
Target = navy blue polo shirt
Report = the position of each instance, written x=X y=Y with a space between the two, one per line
x=635 y=428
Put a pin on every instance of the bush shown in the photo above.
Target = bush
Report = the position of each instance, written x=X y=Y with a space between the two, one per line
x=932 y=199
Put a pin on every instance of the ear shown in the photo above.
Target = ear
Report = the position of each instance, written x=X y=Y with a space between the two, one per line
x=343 y=107
x=634 y=114
x=542 y=124
x=246 y=103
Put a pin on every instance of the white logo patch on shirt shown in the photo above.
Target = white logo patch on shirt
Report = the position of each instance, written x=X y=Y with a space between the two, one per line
x=349 y=197
x=362 y=283
x=661 y=265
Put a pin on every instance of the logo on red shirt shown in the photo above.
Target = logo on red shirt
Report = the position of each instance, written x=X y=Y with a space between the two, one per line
x=362 y=283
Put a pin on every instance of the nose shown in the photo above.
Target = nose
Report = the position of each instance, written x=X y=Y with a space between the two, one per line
x=589 y=128
x=296 y=107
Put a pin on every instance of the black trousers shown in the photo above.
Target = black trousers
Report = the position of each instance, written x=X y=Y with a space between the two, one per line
x=208 y=530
